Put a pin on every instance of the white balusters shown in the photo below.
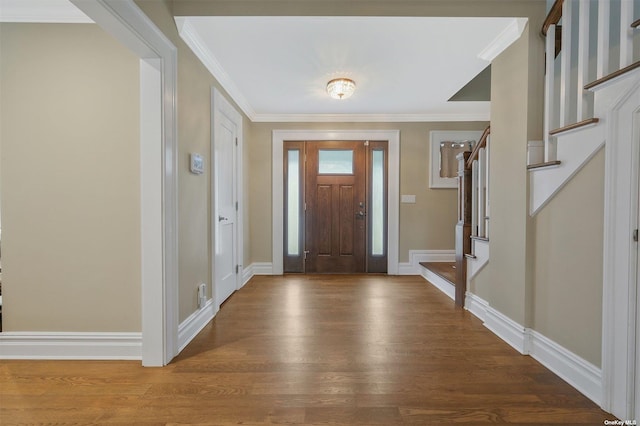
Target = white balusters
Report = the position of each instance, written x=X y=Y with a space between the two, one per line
x=474 y=198
x=602 y=60
x=480 y=193
x=482 y=173
x=549 y=84
x=565 y=61
x=626 y=33
x=582 y=111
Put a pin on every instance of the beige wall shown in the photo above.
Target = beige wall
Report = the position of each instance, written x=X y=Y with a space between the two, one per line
x=70 y=174
x=426 y=225
x=194 y=135
x=567 y=303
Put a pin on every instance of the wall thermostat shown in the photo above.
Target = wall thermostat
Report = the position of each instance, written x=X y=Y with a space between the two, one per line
x=196 y=163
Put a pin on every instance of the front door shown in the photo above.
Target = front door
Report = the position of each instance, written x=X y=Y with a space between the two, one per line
x=335 y=214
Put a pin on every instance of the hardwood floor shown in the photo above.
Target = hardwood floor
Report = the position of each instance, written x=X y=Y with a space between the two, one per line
x=311 y=350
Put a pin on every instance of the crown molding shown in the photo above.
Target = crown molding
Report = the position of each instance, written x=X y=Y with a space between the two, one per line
x=366 y=118
x=504 y=39
x=199 y=48
x=39 y=11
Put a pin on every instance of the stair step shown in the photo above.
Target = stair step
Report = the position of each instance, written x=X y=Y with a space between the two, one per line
x=470 y=256
x=446 y=270
x=542 y=165
x=574 y=126
x=478 y=238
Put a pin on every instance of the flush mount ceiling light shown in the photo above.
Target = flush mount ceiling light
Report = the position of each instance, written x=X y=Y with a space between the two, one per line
x=341 y=88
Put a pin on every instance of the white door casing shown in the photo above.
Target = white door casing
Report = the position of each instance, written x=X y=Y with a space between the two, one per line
x=226 y=187
x=618 y=107
x=124 y=21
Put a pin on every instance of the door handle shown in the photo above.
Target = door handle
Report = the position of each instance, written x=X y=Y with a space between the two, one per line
x=221 y=218
x=360 y=215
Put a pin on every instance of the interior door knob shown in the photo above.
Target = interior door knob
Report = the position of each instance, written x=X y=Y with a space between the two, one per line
x=221 y=218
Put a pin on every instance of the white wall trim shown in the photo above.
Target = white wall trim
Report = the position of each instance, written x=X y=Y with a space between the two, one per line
x=262 y=268
x=200 y=49
x=70 y=345
x=510 y=34
x=440 y=283
x=507 y=329
x=277 y=185
x=132 y=27
x=367 y=118
x=190 y=327
x=413 y=267
x=247 y=274
x=618 y=104
x=256 y=268
x=579 y=373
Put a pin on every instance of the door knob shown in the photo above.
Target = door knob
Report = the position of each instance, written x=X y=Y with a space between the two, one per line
x=360 y=215
x=221 y=218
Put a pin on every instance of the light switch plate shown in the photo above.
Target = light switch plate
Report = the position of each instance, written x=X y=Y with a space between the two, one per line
x=408 y=199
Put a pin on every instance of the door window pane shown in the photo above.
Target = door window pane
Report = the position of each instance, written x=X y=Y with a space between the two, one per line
x=377 y=204
x=335 y=162
x=293 y=203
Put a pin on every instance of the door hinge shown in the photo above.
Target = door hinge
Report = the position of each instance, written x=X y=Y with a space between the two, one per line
x=305 y=207
x=635 y=235
x=236 y=141
x=306 y=252
x=237 y=269
x=236 y=206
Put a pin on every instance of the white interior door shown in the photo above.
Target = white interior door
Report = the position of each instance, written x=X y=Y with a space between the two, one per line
x=225 y=213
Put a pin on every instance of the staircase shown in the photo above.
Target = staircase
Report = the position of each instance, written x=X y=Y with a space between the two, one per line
x=588 y=72
x=472 y=228
x=581 y=61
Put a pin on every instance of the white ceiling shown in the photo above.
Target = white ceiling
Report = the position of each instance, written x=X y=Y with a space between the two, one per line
x=277 y=68
x=405 y=68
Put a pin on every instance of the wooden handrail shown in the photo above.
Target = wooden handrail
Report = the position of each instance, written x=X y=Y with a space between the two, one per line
x=635 y=24
x=553 y=17
x=481 y=144
x=613 y=75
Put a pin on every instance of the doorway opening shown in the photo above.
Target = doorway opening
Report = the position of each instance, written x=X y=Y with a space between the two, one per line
x=335 y=206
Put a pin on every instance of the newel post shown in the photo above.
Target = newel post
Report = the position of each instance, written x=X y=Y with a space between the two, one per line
x=463 y=227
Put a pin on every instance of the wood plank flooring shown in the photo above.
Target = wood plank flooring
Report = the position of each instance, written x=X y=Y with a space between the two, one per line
x=314 y=350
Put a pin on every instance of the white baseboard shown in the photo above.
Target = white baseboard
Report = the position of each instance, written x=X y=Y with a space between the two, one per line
x=191 y=326
x=440 y=283
x=506 y=329
x=262 y=268
x=247 y=274
x=579 y=373
x=70 y=345
x=416 y=256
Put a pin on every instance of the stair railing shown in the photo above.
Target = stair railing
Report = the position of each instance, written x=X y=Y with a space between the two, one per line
x=567 y=101
x=473 y=207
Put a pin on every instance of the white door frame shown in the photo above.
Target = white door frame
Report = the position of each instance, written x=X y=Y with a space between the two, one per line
x=619 y=107
x=220 y=107
x=393 y=208
x=124 y=20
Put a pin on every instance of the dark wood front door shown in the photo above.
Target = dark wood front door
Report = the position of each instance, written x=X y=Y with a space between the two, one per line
x=335 y=212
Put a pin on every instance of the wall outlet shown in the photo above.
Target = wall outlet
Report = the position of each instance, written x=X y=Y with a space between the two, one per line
x=202 y=295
